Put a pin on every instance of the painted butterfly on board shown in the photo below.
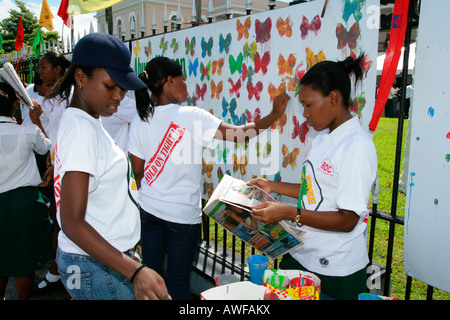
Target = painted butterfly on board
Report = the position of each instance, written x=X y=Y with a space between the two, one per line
x=274 y=91
x=366 y=64
x=228 y=107
x=235 y=64
x=207 y=47
x=284 y=27
x=235 y=87
x=286 y=66
x=164 y=45
x=137 y=49
x=300 y=131
x=205 y=70
x=219 y=173
x=224 y=43
x=207 y=167
x=314 y=26
x=249 y=50
x=217 y=66
x=222 y=153
x=242 y=28
x=190 y=46
x=263 y=150
x=247 y=73
x=240 y=164
x=216 y=90
x=353 y=7
x=254 y=90
x=289 y=157
x=357 y=104
x=262 y=63
x=262 y=30
x=200 y=91
x=148 y=49
x=238 y=121
x=279 y=123
x=253 y=117
x=174 y=45
x=347 y=37
x=193 y=67
x=312 y=59
x=208 y=188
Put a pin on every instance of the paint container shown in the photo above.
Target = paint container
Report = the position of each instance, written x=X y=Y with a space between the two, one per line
x=226 y=278
x=278 y=281
x=257 y=264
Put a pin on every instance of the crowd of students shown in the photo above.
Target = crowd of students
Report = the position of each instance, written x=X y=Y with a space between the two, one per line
x=95 y=158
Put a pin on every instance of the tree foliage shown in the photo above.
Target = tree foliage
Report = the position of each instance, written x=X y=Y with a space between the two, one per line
x=30 y=26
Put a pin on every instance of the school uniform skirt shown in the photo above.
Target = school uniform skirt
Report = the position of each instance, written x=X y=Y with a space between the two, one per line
x=25 y=232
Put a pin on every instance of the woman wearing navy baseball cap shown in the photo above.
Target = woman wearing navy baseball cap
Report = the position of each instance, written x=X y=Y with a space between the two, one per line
x=96 y=208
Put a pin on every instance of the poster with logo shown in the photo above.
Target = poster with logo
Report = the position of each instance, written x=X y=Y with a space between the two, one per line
x=235 y=68
x=427 y=205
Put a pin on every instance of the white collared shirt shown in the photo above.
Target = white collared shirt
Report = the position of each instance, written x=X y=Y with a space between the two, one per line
x=18 y=166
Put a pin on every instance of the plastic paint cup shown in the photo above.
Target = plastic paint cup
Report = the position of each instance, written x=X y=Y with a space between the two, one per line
x=257 y=264
x=226 y=278
x=277 y=281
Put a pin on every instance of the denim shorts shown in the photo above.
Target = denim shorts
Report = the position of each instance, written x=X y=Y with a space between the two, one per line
x=87 y=279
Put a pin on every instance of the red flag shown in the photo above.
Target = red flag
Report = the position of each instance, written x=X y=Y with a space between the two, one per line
x=20 y=36
x=397 y=38
x=63 y=13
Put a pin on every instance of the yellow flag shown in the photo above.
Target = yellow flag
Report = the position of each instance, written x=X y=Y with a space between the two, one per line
x=86 y=6
x=46 y=19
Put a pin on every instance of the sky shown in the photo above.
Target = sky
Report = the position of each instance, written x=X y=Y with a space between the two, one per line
x=81 y=22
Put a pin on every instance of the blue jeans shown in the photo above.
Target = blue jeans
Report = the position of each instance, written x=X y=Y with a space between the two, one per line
x=179 y=242
x=87 y=279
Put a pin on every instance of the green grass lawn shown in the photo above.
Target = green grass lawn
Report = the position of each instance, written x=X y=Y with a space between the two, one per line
x=385 y=139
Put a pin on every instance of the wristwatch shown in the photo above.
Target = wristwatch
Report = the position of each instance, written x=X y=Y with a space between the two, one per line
x=298 y=216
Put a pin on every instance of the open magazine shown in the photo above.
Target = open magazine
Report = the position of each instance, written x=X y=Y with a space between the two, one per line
x=230 y=206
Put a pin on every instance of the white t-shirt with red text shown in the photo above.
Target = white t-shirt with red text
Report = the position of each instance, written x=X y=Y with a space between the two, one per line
x=171 y=144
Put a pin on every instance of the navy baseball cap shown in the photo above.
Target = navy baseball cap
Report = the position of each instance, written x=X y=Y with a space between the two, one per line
x=102 y=50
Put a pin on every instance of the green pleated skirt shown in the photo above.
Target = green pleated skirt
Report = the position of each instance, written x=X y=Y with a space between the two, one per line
x=25 y=232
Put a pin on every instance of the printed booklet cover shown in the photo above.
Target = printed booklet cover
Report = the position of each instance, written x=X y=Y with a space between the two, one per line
x=230 y=206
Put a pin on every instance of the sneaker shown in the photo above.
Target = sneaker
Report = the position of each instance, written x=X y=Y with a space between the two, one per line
x=49 y=287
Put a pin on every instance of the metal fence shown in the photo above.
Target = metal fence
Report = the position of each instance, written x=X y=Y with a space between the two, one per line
x=220 y=251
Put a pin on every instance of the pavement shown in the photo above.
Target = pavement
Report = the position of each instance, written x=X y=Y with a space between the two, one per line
x=59 y=293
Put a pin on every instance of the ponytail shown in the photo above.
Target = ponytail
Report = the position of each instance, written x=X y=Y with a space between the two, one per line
x=154 y=76
x=327 y=76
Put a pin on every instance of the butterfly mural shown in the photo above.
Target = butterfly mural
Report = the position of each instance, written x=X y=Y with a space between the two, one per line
x=279 y=123
x=148 y=49
x=207 y=47
x=262 y=30
x=289 y=157
x=286 y=66
x=284 y=27
x=247 y=73
x=312 y=59
x=253 y=117
x=314 y=26
x=200 y=91
x=193 y=66
x=366 y=64
x=261 y=63
x=249 y=50
x=224 y=43
x=163 y=45
x=137 y=49
x=353 y=7
x=263 y=150
x=254 y=90
x=240 y=164
x=347 y=37
x=357 y=104
x=208 y=188
x=274 y=91
x=235 y=87
x=174 y=45
x=235 y=64
x=205 y=71
x=207 y=168
x=190 y=46
x=300 y=131
x=222 y=153
x=242 y=28
x=217 y=66
x=216 y=90
x=228 y=108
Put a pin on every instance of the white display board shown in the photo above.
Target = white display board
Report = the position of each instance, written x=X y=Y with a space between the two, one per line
x=234 y=68
x=427 y=209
